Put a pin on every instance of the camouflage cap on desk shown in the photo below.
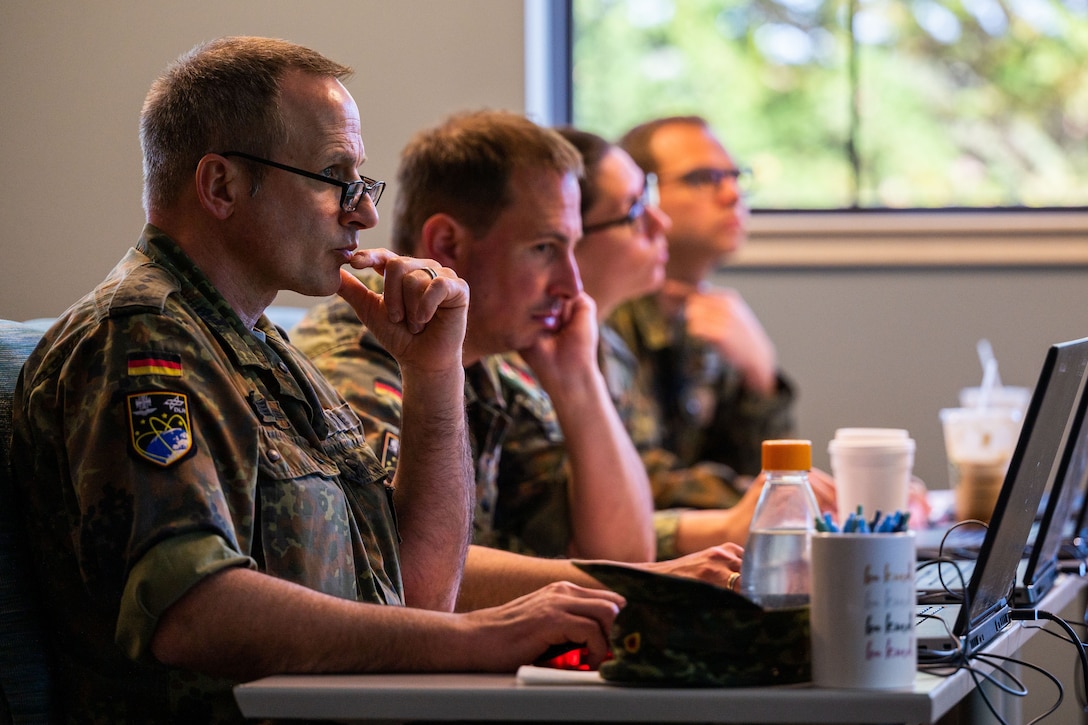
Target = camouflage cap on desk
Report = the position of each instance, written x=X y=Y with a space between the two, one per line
x=678 y=631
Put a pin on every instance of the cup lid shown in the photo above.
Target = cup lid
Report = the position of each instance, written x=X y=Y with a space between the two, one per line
x=997 y=414
x=858 y=446
x=870 y=433
x=1013 y=396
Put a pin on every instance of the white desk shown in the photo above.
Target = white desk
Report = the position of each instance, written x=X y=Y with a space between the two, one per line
x=361 y=698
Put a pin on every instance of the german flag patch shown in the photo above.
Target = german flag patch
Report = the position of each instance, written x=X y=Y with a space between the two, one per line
x=154 y=363
x=388 y=390
x=159 y=427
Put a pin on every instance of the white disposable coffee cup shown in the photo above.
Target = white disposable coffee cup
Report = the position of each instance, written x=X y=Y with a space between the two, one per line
x=863 y=610
x=872 y=469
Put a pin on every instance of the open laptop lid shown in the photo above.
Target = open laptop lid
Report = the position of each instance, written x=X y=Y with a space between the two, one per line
x=1042 y=564
x=1075 y=545
x=1046 y=425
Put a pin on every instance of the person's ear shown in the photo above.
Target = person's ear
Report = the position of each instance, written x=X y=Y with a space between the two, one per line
x=218 y=183
x=444 y=240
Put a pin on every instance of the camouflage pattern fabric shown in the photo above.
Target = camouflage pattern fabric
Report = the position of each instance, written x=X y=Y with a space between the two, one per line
x=675 y=631
x=706 y=413
x=534 y=472
x=157 y=441
x=534 y=469
x=704 y=484
x=522 y=469
x=521 y=500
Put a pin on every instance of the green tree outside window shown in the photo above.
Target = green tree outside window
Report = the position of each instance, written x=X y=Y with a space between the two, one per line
x=866 y=104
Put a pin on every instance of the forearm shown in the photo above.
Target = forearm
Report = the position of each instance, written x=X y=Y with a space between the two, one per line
x=241 y=624
x=610 y=499
x=494 y=577
x=699 y=529
x=434 y=488
x=760 y=376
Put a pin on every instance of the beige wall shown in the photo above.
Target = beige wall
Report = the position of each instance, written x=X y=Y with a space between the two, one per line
x=892 y=347
x=876 y=347
x=73 y=76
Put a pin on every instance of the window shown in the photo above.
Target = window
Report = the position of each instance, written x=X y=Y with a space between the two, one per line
x=855 y=104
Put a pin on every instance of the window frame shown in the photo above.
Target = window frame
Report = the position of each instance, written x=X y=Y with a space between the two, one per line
x=944 y=238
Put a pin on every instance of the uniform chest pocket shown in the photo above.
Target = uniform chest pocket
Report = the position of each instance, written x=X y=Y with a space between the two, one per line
x=304 y=524
x=281 y=457
x=347 y=441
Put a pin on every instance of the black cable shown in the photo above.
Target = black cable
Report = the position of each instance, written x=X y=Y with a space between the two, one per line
x=1045 y=673
x=943 y=557
x=1028 y=615
x=1017 y=688
x=1064 y=637
x=989 y=676
x=956 y=657
x=985 y=698
x=948 y=593
x=1056 y=635
x=945 y=665
x=948 y=664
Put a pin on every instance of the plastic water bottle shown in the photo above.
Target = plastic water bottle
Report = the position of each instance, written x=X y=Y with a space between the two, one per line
x=775 y=569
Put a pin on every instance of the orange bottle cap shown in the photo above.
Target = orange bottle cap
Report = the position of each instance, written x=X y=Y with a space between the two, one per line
x=787 y=455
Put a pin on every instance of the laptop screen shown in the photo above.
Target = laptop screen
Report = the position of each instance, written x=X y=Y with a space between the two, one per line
x=1076 y=478
x=1033 y=465
x=1066 y=486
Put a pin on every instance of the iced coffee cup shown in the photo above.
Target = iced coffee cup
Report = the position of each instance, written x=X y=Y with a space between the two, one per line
x=979 y=443
x=1000 y=396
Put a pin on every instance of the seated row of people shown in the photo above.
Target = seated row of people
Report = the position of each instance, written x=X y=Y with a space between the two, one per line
x=407 y=489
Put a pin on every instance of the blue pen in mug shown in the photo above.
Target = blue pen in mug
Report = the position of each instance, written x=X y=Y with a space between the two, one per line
x=857 y=523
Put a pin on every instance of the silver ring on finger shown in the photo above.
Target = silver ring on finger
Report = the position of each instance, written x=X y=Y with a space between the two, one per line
x=433 y=273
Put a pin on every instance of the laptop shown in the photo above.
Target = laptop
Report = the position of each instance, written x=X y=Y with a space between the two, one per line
x=1042 y=560
x=984 y=610
x=1039 y=565
x=1044 y=564
x=1074 y=552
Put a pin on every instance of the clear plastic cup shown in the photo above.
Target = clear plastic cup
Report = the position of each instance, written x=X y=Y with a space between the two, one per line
x=1001 y=396
x=979 y=442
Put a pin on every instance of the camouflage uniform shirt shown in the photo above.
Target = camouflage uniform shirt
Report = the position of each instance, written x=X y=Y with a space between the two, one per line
x=157 y=441
x=527 y=448
x=521 y=502
x=706 y=413
x=706 y=484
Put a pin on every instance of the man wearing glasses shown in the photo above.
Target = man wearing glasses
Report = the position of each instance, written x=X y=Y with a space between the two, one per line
x=495 y=197
x=200 y=503
x=704 y=357
x=623 y=257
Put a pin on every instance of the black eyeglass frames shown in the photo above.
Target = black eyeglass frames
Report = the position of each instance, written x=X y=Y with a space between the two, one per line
x=713 y=177
x=351 y=192
x=648 y=197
